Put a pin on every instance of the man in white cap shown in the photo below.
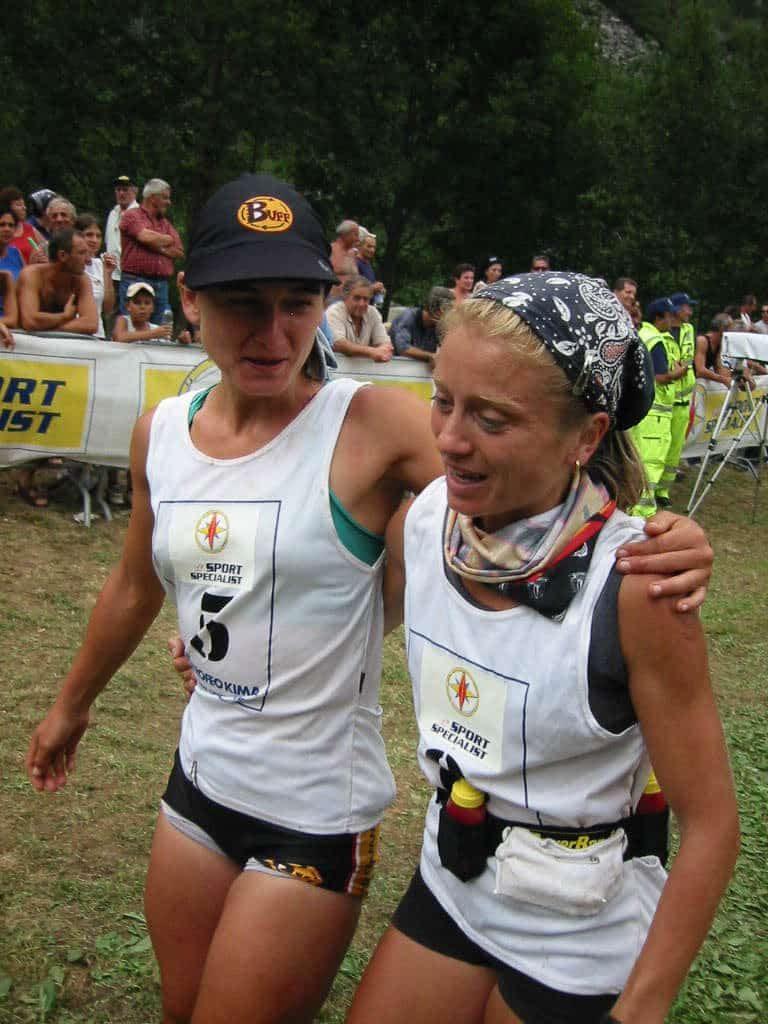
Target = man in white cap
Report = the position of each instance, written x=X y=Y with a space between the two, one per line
x=125 y=199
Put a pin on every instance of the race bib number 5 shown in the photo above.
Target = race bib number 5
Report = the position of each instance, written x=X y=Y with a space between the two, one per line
x=222 y=561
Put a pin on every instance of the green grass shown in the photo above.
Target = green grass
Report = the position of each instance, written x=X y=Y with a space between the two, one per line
x=73 y=945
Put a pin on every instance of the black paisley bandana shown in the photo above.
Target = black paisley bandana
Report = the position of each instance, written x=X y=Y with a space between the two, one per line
x=590 y=336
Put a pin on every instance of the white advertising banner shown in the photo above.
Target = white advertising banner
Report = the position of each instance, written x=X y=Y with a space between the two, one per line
x=78 y=398
x=707 y=404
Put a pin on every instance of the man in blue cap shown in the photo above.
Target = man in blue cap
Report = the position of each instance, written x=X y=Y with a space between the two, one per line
x=652 y=436
x=684 y=336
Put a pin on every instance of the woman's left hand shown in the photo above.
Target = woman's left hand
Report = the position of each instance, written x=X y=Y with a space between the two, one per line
x=677 y=548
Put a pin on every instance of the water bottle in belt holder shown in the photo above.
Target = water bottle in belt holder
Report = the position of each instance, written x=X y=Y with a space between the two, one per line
x=461 y=834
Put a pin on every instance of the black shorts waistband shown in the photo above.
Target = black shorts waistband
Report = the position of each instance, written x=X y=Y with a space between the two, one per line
x=342 y=862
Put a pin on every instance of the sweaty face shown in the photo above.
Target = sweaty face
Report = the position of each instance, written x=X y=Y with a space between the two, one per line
x=260 y=335
x=7 y=228
x=504 y=452
x=357 y=302
x=92 y=236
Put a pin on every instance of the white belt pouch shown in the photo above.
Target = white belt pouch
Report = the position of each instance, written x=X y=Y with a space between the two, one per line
x=546 y=874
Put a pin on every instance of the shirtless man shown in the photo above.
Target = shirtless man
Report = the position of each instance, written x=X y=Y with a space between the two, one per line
x=57 y=296
x=708 y=361
x=344 y=253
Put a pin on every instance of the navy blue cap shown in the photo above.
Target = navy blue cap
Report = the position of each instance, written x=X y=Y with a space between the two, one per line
x=658 y=308
x=682 y=299
x=257 y=228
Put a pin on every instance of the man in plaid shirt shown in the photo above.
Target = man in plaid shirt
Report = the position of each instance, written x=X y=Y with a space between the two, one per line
x=149 y=244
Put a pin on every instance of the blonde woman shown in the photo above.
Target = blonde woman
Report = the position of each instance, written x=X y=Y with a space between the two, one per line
x=543 y=682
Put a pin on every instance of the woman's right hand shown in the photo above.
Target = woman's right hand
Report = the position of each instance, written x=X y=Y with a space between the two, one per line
x=51 y=754
x=182 y=664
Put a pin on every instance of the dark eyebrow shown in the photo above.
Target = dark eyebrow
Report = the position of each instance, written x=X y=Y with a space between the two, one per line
x=495 y=401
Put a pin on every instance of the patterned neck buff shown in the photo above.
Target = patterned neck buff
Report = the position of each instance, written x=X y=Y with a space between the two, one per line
x=590 y=336
x=541 y=561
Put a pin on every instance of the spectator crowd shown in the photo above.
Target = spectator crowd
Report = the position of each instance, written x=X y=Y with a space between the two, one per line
x=60 y=272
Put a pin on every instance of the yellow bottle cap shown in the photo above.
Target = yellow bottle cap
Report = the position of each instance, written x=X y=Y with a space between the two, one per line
x=464 y=794
x=652 y=786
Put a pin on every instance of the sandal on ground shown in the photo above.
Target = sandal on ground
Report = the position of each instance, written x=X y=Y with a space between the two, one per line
x=33 y=497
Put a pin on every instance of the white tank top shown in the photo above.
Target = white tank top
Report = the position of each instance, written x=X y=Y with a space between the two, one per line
x=505 y=695
x=282 y=623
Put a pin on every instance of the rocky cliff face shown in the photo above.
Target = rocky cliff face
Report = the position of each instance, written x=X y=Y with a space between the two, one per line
x=618 y=42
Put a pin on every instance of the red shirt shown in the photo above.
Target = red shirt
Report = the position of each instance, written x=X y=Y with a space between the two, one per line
x=136 y=258
x=23 y=243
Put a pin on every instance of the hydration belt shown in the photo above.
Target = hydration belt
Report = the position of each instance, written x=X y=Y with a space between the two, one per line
x=647 y=834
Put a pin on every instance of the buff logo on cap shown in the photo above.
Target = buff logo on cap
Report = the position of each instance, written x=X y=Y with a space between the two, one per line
x=265 y=213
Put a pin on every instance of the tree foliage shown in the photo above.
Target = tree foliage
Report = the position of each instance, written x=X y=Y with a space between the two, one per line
x=453 y=134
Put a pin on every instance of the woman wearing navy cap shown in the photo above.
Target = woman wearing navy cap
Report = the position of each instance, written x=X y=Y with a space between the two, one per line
x=542 y=683
x=260 y=507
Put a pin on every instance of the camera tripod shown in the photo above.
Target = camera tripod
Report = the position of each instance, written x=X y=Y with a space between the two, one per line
x=758 y=432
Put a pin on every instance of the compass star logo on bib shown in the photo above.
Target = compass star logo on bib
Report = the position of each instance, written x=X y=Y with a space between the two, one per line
x=462 y=692
x=212 y=531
